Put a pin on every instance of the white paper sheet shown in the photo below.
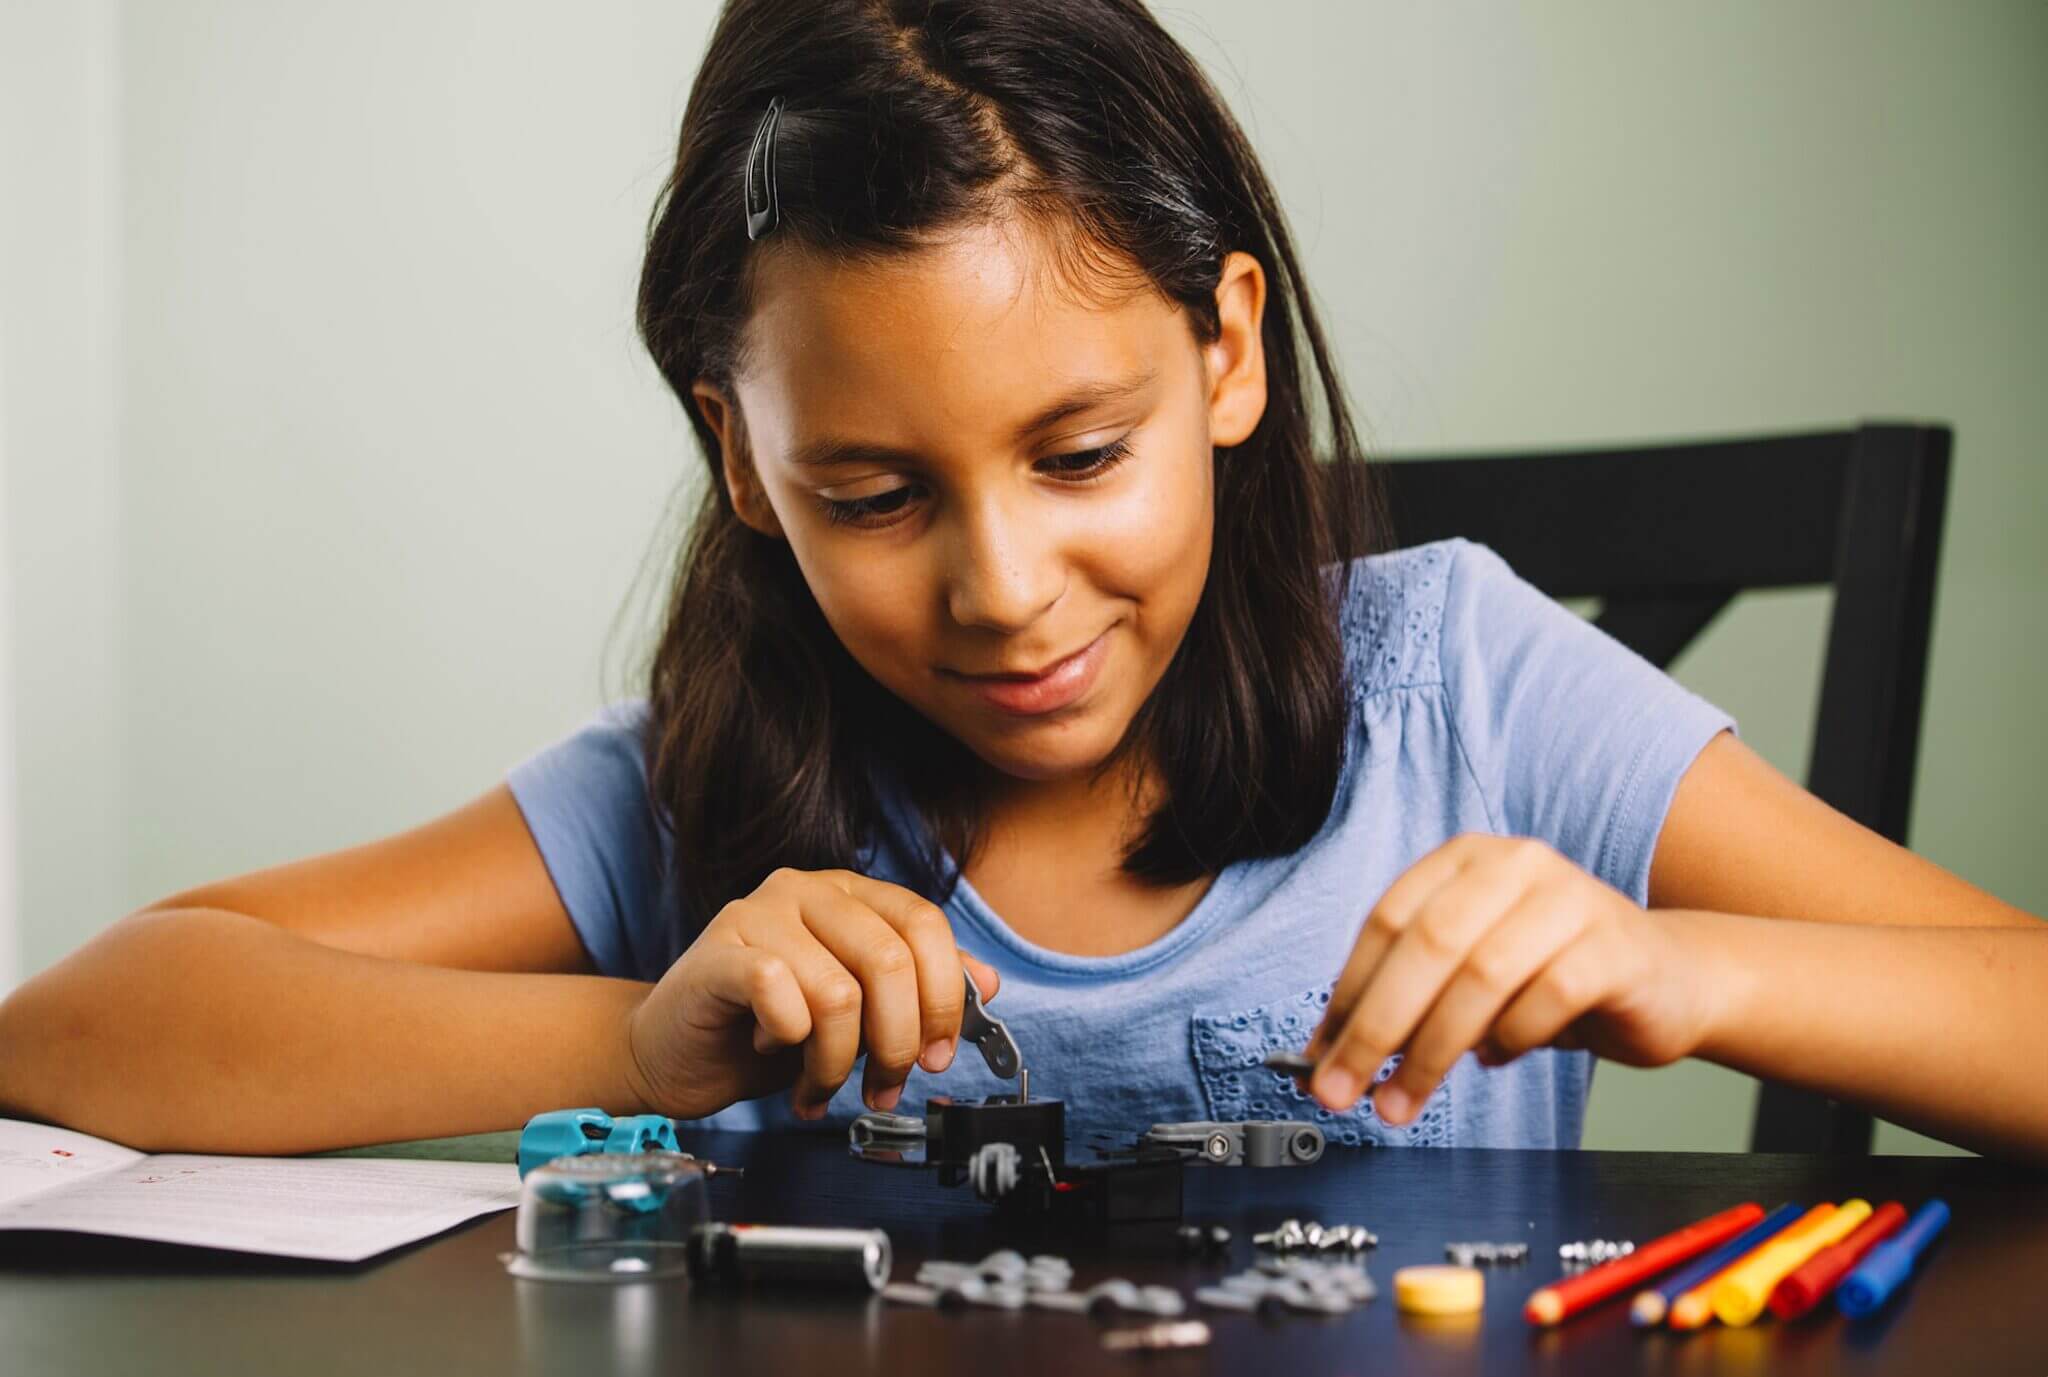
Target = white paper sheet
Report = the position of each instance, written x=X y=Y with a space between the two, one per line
x=335 y=1209
x=35 y=1158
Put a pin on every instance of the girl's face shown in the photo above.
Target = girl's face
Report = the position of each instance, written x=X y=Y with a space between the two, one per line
x=997 y=487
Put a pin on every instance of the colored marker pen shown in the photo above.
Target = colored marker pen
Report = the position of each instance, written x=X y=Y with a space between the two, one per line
x=1888 y=1265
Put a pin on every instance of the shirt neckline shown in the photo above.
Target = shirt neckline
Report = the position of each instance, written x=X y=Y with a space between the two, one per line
x=979 y=914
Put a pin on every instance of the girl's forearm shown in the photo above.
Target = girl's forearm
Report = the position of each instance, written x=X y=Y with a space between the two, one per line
x=206 y=1031
x=1942 y=1029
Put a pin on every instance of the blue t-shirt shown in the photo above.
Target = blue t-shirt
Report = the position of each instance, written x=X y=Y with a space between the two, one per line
x=1478 y=705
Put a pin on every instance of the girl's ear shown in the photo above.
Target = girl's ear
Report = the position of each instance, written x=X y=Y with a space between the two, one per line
x=1236 y=361
x=742 y=483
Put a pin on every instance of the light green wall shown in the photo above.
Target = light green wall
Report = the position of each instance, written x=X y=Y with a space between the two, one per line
x=60 y=304
x=389 y=458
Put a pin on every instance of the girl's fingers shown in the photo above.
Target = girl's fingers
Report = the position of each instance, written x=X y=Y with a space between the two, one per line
x=832 y=998
x=1542 y=1014
x=1527 y=938
x=1418 y=964
x=986 y=978
x=760 y=984
x=885 y=994
x=923 y=926
x=1382 y=925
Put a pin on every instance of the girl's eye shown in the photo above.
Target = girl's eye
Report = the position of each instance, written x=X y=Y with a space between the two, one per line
x=867 y=511
x=1091 y=463
x=884 y=508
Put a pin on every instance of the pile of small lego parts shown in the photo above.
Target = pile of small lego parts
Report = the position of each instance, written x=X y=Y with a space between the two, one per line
x=1295 y=1236
x=1007 y=1280
x=1591 y=1252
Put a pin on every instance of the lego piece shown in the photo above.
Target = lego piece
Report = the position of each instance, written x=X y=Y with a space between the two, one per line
x=580 y=1132
x=990 y=1034
x=1167 y=1334
x=912 y=1293
x=1252 y=1143
x=1293 y=1235
x=1348 y=1278
x=1108 y=1297
x=1437 y=1290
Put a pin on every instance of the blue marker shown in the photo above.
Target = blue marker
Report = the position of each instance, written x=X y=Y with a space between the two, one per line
x=1649 y=1307
x=1885 y=1268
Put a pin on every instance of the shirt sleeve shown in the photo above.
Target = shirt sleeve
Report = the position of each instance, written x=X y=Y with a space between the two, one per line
x=1571 y=736
x=585 y=802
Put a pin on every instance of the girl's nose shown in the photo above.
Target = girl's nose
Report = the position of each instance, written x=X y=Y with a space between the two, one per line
x=1005 y=574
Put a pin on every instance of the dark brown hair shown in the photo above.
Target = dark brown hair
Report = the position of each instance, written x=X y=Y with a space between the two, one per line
x=904 y=118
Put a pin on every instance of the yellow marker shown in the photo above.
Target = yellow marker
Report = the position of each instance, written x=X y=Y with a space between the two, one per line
x=1740 y=1292
x=1437 y=1290
x=1696 y=1306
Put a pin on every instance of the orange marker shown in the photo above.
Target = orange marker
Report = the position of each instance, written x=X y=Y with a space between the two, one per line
x=1553 y=1303
x=1696 y=1306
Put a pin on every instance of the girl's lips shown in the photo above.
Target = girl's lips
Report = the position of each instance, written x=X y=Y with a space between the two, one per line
x=1055 y=689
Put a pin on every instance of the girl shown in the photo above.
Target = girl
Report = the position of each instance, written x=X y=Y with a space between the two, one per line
x=1022 y=632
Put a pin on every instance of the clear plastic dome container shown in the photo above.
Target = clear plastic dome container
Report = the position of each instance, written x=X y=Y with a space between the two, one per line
x=608 y=1217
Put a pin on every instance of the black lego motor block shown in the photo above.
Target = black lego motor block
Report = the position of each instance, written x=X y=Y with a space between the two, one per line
x=1049 y=1192
x=956 y=1129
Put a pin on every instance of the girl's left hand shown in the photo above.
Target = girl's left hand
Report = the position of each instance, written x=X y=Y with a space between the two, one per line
x=1500 y=944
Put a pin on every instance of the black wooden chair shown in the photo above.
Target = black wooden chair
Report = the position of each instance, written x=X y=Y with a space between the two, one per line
x=1666 y=536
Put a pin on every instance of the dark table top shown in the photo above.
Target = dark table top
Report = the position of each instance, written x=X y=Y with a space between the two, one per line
x=85 y=1305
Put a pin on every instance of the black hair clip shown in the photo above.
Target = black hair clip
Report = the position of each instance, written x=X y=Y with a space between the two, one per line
x=764 y=204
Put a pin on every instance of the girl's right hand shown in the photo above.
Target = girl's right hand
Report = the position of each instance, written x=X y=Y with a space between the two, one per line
x=790 y=984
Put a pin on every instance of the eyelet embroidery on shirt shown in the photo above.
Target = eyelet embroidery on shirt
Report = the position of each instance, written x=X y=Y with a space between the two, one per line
x=1230 y=1047
x=1390 y=620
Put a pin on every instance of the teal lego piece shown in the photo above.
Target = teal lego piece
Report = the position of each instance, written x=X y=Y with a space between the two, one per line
x=580 y=1132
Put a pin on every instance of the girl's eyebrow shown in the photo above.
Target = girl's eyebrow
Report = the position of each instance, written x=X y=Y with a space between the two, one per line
x=829 y=451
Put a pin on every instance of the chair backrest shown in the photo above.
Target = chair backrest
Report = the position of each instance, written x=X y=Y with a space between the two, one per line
x=1666 y=535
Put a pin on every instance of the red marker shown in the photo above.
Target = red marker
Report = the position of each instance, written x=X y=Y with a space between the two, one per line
x=1810 y=1284
x=1566 y=1298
